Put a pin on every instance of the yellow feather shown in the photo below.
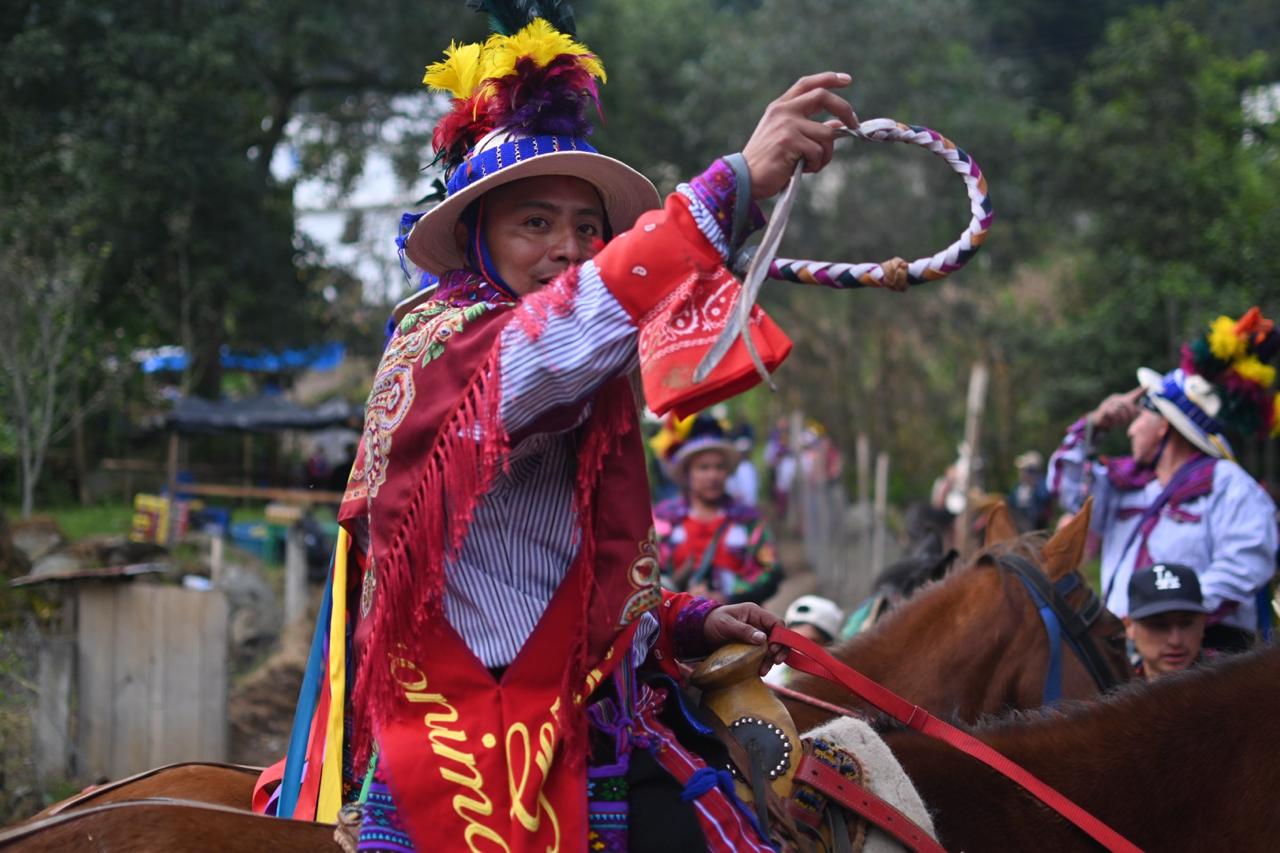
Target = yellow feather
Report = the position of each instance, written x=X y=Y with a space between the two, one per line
x=460 y=72
x=1224 y=343
x=1253 y=369
x=539 y=41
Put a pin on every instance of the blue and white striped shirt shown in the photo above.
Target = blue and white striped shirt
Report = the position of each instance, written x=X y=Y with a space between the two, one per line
x=525 y=531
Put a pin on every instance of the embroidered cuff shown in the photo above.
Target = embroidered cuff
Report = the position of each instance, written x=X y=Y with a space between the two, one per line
x=713 y=196
x=691 y=638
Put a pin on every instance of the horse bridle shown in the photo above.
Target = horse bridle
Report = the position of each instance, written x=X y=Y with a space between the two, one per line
x=1060 y=618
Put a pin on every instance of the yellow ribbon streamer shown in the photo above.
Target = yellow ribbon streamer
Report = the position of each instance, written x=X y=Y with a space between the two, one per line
x=330 y=799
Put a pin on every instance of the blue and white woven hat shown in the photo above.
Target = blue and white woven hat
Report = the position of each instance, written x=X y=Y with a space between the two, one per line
x=521 y=103
x=1190 y=404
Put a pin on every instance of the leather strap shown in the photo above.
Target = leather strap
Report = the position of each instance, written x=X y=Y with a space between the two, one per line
x=1076 y=625
x=812 y=659
x=863 y=802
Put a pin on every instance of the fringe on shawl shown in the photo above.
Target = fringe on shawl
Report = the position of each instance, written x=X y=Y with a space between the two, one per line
x=613 y=416
x=469 y=449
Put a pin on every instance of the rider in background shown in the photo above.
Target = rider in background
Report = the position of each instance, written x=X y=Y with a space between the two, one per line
x=710 y=544
x=1029 y=500
x=1166 y=619
x=1181 y=497
x=814 y=618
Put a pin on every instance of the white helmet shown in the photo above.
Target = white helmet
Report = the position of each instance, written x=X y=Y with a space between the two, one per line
x=822 y=613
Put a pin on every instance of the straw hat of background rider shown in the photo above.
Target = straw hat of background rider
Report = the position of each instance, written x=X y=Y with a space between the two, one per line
x=1222 y=385
x=705 y=435
x=520 y=109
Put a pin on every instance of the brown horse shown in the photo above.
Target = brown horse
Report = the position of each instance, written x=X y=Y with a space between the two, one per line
x=974 y=644
x=224 y=784
x=1187 y=762
x=172 y=826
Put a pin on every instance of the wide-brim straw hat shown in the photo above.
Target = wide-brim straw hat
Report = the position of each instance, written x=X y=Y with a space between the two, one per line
x=503 y=157
x=698 y=445
x=1189 y=404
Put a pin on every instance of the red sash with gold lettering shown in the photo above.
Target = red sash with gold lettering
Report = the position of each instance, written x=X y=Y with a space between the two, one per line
x=475 y=763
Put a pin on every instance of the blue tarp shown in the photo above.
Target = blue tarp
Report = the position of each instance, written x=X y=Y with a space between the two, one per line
x=265 y=413
x=318 y=357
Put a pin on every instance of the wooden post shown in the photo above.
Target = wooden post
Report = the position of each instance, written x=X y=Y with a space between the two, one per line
x=974 y=405
x=172 y=480
x=52 y=710
x=295 y=575
x=881 y=509
x=247 y=458
x=864 y=469
x=217 y=559
x=863 y=450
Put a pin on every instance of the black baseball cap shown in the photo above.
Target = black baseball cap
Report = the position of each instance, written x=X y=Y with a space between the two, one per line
x=1163 y=588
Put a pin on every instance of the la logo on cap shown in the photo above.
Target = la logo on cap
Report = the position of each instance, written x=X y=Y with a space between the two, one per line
x=1166 y=579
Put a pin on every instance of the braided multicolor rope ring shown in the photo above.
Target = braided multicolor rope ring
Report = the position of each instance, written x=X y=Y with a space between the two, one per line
x=950 y=259
x=846 y=276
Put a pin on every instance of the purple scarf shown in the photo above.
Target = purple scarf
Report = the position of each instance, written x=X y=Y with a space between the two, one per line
x=1193 y=480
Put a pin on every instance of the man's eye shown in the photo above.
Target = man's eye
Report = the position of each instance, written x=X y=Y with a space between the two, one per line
x=536 y=222
x=588 y=230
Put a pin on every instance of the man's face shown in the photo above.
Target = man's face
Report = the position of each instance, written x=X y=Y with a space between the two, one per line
x=707 y=474
x=537 y=228
x=1167 y=642
x=1145 y=433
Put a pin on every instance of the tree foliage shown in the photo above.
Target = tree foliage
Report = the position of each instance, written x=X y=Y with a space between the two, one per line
x=1134 y=197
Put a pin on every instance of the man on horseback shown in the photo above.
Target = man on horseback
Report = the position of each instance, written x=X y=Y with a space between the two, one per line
x=504 y=586
x=1181 y=497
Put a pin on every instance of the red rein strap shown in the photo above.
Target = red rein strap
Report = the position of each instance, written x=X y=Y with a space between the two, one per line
x=818 y=662
x=797 y=696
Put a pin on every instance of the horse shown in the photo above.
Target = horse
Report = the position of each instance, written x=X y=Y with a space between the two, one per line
x=229 y=785
x=974 y=643
x=1181 y=763
x=174 y=826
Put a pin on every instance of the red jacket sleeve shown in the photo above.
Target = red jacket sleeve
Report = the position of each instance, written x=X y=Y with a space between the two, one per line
x=672 y=282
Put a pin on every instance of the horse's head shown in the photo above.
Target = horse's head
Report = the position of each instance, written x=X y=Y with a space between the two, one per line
x=1080 y=642
x=974 y=643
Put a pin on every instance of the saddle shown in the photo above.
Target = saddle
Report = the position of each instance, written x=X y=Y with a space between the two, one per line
x=810 y=794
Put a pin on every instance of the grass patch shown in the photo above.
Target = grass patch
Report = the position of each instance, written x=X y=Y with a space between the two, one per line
x=77 y=522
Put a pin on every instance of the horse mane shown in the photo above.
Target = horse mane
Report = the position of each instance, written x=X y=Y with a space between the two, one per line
x=1175 y=696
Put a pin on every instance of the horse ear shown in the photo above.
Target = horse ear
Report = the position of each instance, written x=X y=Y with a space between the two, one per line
x=1000 y=526
x=1065 y=551
x=944 y=564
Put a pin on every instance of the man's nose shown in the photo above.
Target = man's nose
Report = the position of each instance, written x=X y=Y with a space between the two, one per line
x=566 y=246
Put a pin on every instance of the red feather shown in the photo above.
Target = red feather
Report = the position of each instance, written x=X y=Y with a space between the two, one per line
x=461 y=129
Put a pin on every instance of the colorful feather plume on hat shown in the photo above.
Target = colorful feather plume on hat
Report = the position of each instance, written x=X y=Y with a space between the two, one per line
x=534 y=79
x=1234 y=356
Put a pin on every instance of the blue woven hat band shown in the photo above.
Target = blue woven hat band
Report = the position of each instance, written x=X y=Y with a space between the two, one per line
x=495 y=159
x=1174 y=393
